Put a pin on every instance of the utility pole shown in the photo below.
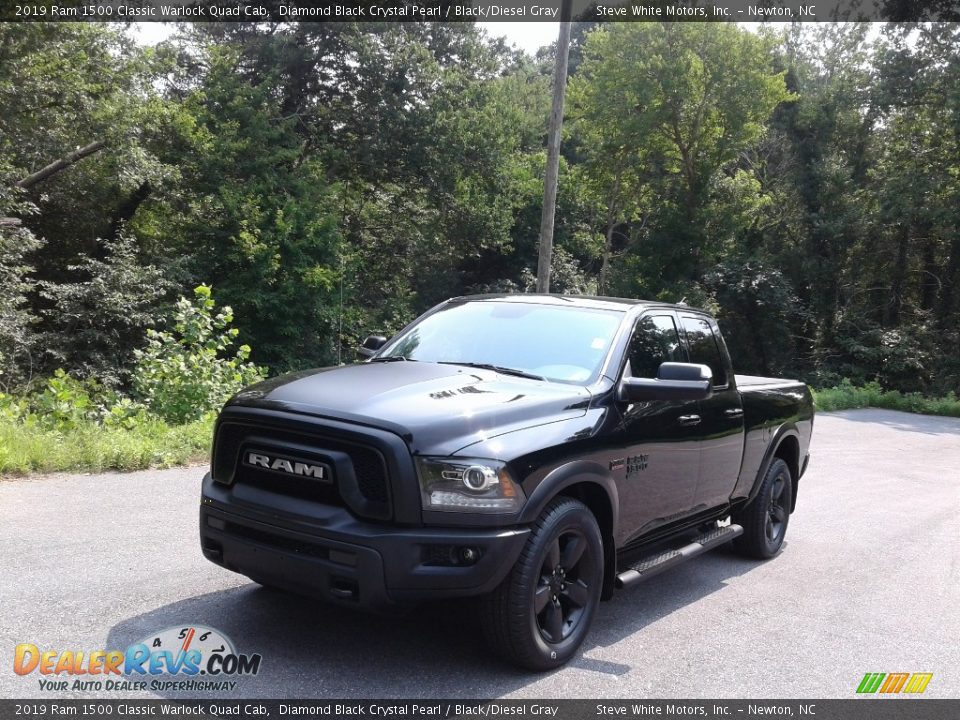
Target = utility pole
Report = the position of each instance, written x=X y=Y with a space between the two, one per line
x=553 y=151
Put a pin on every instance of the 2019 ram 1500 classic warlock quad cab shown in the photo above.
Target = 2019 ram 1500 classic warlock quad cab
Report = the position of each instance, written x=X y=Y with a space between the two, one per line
x=534 y=451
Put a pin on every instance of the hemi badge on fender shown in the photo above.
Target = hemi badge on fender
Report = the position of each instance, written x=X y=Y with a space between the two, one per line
x=290 y=466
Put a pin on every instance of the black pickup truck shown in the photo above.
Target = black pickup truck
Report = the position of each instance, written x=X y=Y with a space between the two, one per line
x=536 y=452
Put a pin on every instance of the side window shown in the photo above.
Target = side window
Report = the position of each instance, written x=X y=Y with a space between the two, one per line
x=654 y=341
x=704 y=348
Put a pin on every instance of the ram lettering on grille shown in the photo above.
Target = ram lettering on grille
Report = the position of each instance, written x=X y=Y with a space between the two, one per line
x=291 y=466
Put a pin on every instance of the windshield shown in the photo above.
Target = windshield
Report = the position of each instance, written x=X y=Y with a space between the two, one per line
x=566 y=344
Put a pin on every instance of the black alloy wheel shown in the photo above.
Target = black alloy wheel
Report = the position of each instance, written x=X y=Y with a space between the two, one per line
x=540 y=614
x=766 y=518
x=563 y=592
x=777 y=512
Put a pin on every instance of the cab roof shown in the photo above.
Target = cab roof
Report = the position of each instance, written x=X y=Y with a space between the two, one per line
x=587 y=301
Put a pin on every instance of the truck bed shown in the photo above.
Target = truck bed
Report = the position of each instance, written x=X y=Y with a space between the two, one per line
x=757 y=382
x=768 y=403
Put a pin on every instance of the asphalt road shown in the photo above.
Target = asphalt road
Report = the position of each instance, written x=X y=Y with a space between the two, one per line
x=868 y=581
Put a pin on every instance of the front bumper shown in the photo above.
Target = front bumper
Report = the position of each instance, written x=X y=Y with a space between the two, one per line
x=331 y=555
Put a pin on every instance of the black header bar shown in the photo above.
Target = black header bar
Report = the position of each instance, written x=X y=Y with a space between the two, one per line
x=892 y=708
x=477 y=10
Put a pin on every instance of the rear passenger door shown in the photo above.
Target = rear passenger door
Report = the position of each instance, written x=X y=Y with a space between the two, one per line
x=721 y=427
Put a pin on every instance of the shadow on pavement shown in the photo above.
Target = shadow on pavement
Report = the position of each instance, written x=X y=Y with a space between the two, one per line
x=312 y=650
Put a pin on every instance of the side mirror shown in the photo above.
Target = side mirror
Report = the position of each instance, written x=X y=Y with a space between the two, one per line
x=368 y=348
x=675 y=381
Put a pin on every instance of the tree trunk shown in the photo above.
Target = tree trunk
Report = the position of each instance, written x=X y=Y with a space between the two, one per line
x=930 y=282
x=607 y=248
x=951 y=281
x=62 y=164
x=612 y=211
x=898 y=284
x=126 y=211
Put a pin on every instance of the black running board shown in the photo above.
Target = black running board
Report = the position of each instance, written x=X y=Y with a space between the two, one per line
x=656 y=564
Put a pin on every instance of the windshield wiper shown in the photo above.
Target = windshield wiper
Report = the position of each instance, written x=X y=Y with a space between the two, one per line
x=392 y=358
x=496 y=368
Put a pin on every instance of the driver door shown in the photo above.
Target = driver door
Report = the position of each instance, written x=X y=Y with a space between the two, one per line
x=660 y=440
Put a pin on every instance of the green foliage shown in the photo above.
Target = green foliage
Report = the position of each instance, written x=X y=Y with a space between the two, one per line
x=190 y=372
x=94 y=324
x=756 y=308
x=181 y=379
x=902 y=358
x=846 y=396
x=64 y=86
x=16 y=317
x=69 y=424
x=663 y=113
x=566 y=276
x=871 y=159
x=65 y=403
x=336 y=179
x=33 y=447
x=258 y=217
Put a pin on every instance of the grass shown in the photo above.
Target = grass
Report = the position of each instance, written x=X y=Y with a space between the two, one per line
x=91 y=447
x=847 y=396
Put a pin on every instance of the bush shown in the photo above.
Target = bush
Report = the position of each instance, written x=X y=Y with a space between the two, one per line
x=181 y=380
x=33 y=447
x=98 y=311
x=64 y=403
x=78 y=425
x=846 y=396
x=185 y=374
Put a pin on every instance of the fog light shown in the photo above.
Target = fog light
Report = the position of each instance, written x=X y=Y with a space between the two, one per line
x=450 y=555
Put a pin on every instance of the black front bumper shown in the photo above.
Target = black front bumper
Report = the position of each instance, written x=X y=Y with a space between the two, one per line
x=332 y=555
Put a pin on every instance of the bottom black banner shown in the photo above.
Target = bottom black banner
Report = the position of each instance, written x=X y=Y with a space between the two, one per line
x=854 y=709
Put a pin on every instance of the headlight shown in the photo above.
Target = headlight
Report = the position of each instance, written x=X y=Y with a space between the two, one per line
x=468 y=485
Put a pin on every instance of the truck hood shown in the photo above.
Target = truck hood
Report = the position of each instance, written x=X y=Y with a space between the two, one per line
x=437 y=409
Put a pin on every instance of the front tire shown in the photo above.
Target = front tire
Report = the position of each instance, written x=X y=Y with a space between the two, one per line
x=765 y=519
x=540 y=614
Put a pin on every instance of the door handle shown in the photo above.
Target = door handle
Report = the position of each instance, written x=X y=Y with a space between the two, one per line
x=688 y=420
x=734 y=412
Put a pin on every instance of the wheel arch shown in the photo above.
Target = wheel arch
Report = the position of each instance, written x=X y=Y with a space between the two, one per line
x=592 y=485
x=785 y=446
x=788 y=450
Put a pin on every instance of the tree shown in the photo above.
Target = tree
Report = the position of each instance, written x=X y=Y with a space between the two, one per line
x=80 y=110
x=16 y=244
x=79 y=107
x=403 y=141
x=94 y=325
x=665 y=112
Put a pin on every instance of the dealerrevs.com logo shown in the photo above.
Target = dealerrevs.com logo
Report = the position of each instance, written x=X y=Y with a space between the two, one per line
x=178 y=658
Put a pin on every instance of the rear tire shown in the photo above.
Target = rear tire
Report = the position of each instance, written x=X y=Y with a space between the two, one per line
x=540 y=614
x=765 y=519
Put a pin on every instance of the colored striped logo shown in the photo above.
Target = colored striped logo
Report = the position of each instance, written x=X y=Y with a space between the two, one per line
x=888 y=683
